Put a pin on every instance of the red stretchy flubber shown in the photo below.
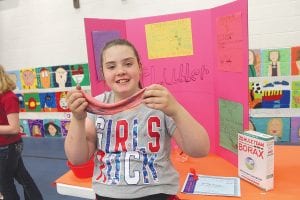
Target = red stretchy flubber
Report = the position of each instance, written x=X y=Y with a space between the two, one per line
x=99 y=108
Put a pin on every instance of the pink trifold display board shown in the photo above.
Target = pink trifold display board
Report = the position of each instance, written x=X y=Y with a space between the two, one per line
x=200 y=56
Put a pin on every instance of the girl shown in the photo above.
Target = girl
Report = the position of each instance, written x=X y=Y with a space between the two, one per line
x=11 y=145
x=132 y=148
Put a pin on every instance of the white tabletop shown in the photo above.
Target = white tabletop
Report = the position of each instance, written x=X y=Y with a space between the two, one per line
x=76 y=191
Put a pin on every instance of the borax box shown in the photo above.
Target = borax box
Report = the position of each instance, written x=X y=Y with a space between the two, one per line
x=256 y=158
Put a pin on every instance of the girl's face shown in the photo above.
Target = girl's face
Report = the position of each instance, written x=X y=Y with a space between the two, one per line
x=121 y=71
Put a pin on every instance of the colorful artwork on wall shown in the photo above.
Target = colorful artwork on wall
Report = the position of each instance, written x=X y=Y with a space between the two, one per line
x=80 y=75
x=21 y=102
x=52 y=128
x=44 y=77
x=295 y=60
x=15 y=76
x=61 y=76
x=32 y=102
x=274 y=96
x=36 y=127
x=276 y=62
x=28 y=78
x=24 y=128
x=48 y=102
x=61 y=101
x=65 y=126
x=279 y=127
x=254 y=63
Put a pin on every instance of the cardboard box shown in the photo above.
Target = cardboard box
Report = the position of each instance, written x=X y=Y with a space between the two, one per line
x=256 y=158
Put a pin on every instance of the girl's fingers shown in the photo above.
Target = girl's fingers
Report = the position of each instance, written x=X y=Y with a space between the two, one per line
x=78 y=87
x=80 y=112
x=153 y=100
x=73 y=96
x=79 y=102
x=154 y=92
x=156 y=86
x=82 y=107
x=75 y=104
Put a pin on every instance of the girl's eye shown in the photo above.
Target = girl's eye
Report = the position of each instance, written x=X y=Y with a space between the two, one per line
x=128 y=64
x=110 y=66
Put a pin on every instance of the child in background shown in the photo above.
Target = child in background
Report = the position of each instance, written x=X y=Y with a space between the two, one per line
x=131 y=149
x=11 y=145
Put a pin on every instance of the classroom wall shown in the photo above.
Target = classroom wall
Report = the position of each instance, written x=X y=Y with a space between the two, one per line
x=274 y=23
x=44 y=33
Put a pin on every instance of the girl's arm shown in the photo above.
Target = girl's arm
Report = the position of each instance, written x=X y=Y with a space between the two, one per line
x=13 y=126
x=190 y=136
x=80 y=142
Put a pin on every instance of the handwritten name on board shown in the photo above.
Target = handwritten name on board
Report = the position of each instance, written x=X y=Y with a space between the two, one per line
x=183 y=73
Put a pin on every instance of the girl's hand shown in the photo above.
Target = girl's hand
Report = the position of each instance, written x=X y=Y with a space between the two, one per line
x=77 y=104
x=158 y=97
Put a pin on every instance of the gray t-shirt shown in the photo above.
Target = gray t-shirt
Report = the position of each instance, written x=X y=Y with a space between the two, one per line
x=133 y=153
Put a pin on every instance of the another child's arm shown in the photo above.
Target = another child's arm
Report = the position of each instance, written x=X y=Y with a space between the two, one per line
x=11 y=105
x=13 y=126
x=80 y=142
x=190 y=136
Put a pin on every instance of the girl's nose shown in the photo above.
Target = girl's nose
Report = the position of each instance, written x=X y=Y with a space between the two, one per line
x=121 y=71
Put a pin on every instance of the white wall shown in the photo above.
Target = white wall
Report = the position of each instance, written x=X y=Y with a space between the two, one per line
x=51 y=32
x=274 y=23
